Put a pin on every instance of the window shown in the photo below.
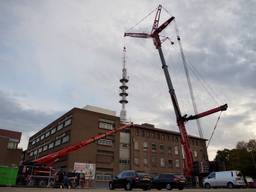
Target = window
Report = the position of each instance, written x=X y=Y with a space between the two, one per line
x=136 y=161
x=12 y=145
x=53 y=130
x=103 y=177
x=47 y=134
x=145 y=146
x=106 y=142
x=37 y=140
x=176 y=139
x=176 y=150
x=33 y=142
x=57 y=142
x=212 y=175
x=136 y=145
x=153 y=147
x=170 y=164
x=177 y=163
x=162 y=162
x=161 y=146
x=35 y=152
x=169 y=150
x=195 y=153
x=45 y=147
x=137 y=132
x=145 y=162
x=67 y=122
x=40 y=150
x=42 y=137
x=153 y=160
x=60 y=126
x=143 y=133
x=31 y=154
x=106 y=124
x=51 y=145
x=65 y=139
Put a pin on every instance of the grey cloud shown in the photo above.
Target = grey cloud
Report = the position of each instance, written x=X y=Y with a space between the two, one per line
x=14 y=117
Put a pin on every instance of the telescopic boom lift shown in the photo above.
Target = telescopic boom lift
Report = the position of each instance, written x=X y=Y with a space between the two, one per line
x=53 y=157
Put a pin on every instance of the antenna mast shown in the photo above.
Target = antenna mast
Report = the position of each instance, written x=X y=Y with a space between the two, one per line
x=124 y=80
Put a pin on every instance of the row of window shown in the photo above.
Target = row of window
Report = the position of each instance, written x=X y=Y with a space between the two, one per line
x=161 y=136
x=154 y=162
x=12 y=145
x=156 y=135
x=101 y=177
x=106 y=142
x=154 y=147
x=53 y=130
x=106 y=124
x=57 y=142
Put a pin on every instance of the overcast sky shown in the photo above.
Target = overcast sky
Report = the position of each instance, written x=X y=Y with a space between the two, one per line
x=56 y=55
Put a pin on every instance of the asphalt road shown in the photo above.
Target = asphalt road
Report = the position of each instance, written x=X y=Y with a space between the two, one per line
x=13 y=189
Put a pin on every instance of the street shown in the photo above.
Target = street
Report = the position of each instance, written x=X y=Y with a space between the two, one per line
x=14 y=189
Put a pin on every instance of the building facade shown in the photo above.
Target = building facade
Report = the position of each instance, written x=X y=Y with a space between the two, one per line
x=157 y=150
x=10 y=154
x=143 y=147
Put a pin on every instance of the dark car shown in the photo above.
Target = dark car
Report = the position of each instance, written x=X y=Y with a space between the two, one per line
x=130 y=179
x=168 y=181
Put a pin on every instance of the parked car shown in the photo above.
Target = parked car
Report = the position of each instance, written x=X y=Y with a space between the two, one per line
x=250 y=182
x=228 y=179
x=168 y=181
x=130 y=179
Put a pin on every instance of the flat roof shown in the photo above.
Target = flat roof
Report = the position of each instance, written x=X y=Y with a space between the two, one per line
x=151 y=127
x=10 y=134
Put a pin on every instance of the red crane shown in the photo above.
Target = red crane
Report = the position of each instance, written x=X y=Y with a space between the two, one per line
x=188 y=168
x=53 y=157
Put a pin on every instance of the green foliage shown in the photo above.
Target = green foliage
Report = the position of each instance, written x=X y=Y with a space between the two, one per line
x=242 y=158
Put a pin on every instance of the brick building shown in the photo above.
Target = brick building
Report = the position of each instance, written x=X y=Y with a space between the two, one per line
x=10 y=154
x=143 y=148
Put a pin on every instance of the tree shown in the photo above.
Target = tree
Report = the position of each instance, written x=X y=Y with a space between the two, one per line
x=222 y=157
x=241 y=145
x=242 y=158
x=251 y=146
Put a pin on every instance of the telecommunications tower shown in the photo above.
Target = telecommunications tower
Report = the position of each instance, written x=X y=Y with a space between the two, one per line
x=123 y=94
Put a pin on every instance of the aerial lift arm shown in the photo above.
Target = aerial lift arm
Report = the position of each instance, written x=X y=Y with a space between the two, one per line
x=52 y=157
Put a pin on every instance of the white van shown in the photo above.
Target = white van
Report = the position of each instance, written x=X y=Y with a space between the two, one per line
x=228 y=179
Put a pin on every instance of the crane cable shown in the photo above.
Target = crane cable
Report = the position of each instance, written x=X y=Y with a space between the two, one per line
x=198 y=76
x=140 y=21
x=214 y=130
x=192 y=96
x=205 y=85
